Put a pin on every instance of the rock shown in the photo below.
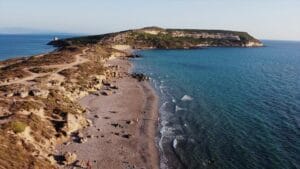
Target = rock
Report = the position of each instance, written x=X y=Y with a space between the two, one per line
x=134 y=56
x=114 y=74
x=80 y=135
x=39 y=93
x=105 y=82
x=114 y=87
x=129 y=122
x=75 y=122
x=126 y=136
x=83 y=140
x=89 y=122
x=70 y=158
x=106 y=88
x=81 y=164
x=96 y=93
x=90 y=136
x=22 y=94
x=9 y=94
x=79 y=138
x=96 y=116
x=105 y=93
x=67 y=143
x=140 y=76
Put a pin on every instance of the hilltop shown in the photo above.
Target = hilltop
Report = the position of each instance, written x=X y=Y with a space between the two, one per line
x=155 y=37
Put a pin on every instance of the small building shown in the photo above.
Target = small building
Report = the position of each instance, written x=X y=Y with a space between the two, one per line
x=55 y=38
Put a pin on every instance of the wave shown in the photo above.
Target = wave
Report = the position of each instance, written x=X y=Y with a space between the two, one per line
x=186 y=98
x=173 y=100
x=175 y=142
x=177 y=108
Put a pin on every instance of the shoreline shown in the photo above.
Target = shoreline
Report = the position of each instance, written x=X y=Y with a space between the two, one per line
x=121 y=140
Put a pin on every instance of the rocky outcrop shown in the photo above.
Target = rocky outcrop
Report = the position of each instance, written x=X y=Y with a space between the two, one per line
x=70 y=158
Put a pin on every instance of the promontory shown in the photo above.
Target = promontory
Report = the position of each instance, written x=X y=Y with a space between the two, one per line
x=80 y=105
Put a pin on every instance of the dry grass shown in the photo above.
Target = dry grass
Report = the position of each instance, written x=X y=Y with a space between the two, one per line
x=56 y=100
x=25 y=105
x=14 y=154
x=42 y=70
x=10 y=73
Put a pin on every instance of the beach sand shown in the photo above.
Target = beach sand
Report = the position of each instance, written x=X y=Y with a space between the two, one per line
x=124 y=125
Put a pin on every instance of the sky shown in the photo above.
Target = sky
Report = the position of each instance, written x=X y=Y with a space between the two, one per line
x=264 y=19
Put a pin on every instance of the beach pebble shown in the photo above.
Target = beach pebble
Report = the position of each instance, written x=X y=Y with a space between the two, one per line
x=89 y=136
x=129 y=122
x=83 y=140
x=126 y=136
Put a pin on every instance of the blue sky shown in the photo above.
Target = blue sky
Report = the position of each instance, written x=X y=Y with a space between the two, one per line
x=265 y=19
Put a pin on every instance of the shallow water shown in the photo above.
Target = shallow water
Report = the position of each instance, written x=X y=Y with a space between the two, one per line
x=228 y=108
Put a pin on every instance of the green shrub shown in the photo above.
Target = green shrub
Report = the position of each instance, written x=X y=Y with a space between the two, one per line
x=18 y=127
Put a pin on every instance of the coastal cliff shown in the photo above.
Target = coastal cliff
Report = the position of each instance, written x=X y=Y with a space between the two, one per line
x=155 y=37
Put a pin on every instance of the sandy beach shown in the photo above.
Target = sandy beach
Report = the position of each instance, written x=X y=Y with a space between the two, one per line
x=124 y=122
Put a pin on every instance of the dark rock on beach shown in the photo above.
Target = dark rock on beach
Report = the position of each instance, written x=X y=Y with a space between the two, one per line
x=140 y=76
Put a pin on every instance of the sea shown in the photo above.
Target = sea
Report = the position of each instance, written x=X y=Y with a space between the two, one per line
x=220 y=108
x=12 y=46
x=227 y=108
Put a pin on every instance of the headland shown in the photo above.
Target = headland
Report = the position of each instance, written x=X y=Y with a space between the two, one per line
x=81 y=105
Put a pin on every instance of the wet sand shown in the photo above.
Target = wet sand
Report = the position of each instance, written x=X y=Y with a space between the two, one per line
x=124 y=125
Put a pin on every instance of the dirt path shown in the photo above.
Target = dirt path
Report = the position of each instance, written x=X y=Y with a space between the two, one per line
x=61 y=67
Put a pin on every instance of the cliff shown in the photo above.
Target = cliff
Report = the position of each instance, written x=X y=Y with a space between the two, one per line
x=155 y=37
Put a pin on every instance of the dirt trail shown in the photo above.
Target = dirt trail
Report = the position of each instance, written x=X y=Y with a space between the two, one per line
x=61 y=67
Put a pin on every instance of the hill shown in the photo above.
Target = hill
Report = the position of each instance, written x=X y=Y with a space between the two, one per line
x=155 y=37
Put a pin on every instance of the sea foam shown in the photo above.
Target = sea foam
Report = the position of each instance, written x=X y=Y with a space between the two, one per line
x=175 y=142
x=177 y=108
x=186 y=98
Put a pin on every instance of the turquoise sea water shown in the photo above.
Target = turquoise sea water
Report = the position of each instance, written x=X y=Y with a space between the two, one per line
x=25 y=45
x=227 y=108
